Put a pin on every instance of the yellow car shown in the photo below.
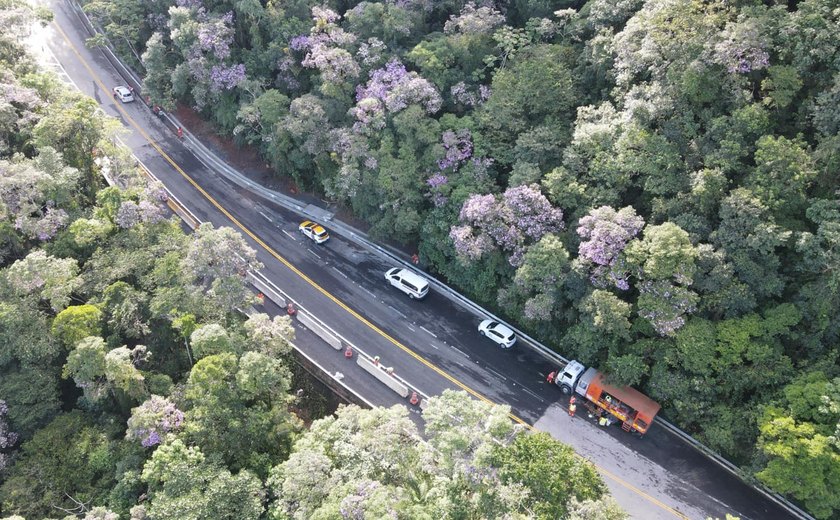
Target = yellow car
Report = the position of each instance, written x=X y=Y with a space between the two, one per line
x=314 y=231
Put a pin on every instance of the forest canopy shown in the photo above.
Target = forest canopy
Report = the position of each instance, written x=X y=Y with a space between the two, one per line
x=650 y=187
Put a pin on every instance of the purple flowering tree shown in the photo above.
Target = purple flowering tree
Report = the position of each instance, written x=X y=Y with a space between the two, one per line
x=152 y=420
x=392 y=88
x=458 y=146
x=8 y=438
x=605 y=233
x=463 y=94
x=205 y=42
x=474 y=20
x=437 y=184
x=325 y=51
x=32 y=191
x=510 y=223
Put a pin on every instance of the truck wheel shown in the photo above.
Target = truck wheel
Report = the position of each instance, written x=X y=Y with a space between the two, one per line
x=565 y=390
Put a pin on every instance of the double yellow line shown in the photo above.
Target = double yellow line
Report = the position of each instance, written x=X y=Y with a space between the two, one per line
x=311 y=282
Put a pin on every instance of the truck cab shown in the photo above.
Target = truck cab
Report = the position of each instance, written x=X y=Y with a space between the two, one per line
x=568 y=377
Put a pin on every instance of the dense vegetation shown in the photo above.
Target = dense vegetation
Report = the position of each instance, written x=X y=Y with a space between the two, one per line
x=131 y=387
x=649 y=186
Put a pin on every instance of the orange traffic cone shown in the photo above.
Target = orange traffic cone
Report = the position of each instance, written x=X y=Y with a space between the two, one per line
x=414 y=399
x=348 y=352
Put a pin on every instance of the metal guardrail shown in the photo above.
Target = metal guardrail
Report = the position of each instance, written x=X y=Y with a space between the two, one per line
x=212 y=161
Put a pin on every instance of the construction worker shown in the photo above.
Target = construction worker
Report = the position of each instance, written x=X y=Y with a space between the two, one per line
x=602 y=421
x=572 y=407
x=551 y=376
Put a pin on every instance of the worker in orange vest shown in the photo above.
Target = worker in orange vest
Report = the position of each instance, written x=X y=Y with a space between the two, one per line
x=572 y=407
x=551 y=376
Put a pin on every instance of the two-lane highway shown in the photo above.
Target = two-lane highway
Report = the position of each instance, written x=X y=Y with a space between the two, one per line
x=433 y=343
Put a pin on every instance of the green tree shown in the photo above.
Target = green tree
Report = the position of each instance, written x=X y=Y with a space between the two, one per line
x=184 y=485
x=782 y=176
x=553 y=473
x=32 y=397
x=537 y=89
x=70 y=457
x=73 y=126
x=50 y=278
x=802 y=462
x=76 y=323
x=238 y=410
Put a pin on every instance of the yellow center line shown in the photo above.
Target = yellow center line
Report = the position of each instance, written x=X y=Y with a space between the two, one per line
x=320 y=289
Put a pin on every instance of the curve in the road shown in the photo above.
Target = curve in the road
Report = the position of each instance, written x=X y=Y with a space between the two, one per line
x=316 y=286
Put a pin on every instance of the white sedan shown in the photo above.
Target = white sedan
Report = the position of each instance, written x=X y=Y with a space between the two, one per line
x=124 y=94
x=314 y=231
x=498 y=332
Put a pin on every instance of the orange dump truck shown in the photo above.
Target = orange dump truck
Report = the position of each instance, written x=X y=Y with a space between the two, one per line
x=633 y=409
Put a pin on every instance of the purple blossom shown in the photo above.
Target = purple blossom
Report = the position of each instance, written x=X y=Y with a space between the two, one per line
x=301 y=42
x=128 y=215
x=520 y=216
x=436 y=182
x=474 y=20
x=156 y=416
x=335 y=64
x=605 y=233
x=153 y=439
x=8 y=438
x=382 y=81
x=458 y=146
x=150 y=212
x=397 y=88
x=223 y=77
x=216 y=36
x=372 y=52
x=324 y=15
x=45 y=228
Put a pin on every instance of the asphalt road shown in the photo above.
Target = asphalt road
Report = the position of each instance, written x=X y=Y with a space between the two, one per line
x=433 y=343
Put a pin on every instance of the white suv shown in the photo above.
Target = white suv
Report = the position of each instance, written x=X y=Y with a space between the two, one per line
x=124 y=94
x=416 y=287
x=498 y=332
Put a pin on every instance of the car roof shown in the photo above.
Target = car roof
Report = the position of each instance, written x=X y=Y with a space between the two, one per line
x=318 y=228
x=501 y=328
x=413 y=278
x=122 y=89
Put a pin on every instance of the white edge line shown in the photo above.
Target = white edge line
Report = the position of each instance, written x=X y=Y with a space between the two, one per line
x=266 y=217
x=313 y=252
x=339 y=272
x=430 y=332
x=498 y=374
x=461 y=352
x=289 y=235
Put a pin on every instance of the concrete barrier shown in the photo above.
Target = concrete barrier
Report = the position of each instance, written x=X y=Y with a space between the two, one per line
x=315 y=327
x=266 y=290
x=379 y=373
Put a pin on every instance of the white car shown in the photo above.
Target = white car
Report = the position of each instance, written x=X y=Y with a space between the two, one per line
x=314 y=231
x=498 y=332
x=415 y=286
x=124 y=94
